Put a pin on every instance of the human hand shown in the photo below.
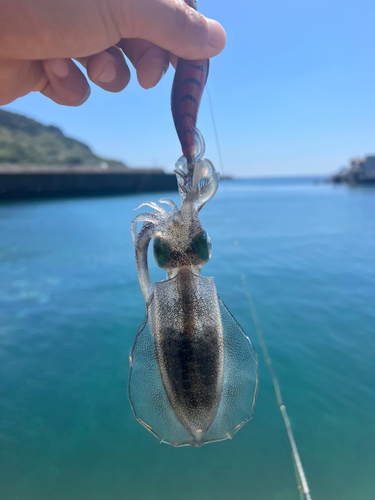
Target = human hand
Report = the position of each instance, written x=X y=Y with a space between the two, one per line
x=39 y=39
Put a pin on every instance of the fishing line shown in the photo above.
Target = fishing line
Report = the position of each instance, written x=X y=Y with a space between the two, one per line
x=302 y=484
x=300 y=474
x=223 y=173
x=215 y=131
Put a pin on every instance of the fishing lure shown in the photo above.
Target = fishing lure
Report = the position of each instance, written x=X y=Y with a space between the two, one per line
x=194 y=372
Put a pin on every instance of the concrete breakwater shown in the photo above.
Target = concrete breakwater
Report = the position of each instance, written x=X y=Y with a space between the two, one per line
x=34 y=181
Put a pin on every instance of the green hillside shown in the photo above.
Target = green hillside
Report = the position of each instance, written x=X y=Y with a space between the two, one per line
x=26 y=141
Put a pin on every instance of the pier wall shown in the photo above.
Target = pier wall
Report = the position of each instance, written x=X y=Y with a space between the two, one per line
x=47 y=183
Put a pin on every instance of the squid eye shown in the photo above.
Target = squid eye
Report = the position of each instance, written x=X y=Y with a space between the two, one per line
x=162 y=252
x=201 y=246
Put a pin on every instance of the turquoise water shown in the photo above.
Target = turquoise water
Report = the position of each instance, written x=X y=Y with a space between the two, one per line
x=70 y=305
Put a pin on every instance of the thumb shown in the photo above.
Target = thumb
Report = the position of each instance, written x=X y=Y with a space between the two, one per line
x=174 y=26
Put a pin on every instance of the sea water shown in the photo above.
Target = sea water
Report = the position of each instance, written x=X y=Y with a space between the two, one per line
x=70 y=305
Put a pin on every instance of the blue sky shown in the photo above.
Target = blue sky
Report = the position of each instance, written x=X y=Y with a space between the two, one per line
x=293 y=94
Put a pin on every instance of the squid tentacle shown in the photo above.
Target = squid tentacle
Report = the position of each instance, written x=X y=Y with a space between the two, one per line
x=153 y=205
x=171 y=203
x=143 y=239
x=145 y=217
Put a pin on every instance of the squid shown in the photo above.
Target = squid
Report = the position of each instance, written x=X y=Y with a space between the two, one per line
x=194 y=371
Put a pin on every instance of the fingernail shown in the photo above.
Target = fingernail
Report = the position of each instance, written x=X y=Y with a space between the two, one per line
x=162 y=73
x=108 y=74
x=87 y=95
x=216 y=35
x=164 y=70
x=59 y=67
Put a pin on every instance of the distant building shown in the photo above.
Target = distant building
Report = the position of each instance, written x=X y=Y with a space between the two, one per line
x=360 y=171
x=368 y=166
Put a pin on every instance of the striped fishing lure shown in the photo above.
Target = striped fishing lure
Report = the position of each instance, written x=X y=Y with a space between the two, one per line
x=187 y=90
